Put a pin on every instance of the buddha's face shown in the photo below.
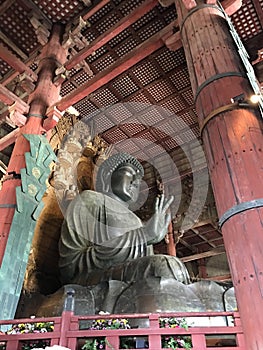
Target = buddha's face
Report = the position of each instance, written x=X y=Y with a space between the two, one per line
x=125 y=183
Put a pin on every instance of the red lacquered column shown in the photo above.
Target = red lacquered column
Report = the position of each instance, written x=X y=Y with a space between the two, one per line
x=232 y=138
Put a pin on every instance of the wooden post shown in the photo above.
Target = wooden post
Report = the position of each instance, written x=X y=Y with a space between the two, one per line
x=232 y=138
x=155 y=340
x=44 y=95
x=171 y=248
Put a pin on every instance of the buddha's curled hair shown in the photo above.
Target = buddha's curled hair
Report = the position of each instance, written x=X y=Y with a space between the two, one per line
x=111 y=164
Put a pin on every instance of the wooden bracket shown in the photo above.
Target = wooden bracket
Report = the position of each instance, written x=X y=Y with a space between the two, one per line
x=42 y=30
x=17 y=113
x=53 y=116
x=74 y=37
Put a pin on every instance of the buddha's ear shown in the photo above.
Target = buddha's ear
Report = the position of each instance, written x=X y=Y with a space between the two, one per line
x=105 y=181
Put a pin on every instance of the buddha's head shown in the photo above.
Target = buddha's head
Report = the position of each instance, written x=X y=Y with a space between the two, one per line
x=120 y=175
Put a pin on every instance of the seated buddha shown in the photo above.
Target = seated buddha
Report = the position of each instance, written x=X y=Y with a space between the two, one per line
x=102 y=239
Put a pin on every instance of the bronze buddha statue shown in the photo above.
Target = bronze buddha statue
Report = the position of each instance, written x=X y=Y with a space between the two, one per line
x=106 y=252
x=102 y=239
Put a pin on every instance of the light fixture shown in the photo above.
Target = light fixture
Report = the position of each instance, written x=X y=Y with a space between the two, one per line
x=238 y=98
x=243 y=101
x=255 y=98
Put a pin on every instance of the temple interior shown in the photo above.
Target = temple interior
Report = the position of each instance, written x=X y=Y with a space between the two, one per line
x=98 y=77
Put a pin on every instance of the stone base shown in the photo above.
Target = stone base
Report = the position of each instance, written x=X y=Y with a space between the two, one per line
x=148 y=296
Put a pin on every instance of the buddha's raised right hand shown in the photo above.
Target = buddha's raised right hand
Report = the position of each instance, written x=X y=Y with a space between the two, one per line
x=157 y=227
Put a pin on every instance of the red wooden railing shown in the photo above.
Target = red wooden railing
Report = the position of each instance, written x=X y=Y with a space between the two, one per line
x=67 y=331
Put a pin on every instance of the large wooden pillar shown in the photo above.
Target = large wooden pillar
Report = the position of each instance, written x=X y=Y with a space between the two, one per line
x=25 y=182
x=44 y=95
x=233 y=142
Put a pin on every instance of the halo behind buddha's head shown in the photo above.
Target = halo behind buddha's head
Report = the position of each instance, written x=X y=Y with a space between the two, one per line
x=111 y=164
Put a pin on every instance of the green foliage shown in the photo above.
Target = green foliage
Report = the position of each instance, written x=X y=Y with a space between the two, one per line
x=2 y=345
x=101 y=324
x=32 y=344
x=175 y=341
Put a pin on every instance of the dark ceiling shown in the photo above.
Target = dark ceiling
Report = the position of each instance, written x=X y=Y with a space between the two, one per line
x=134 y=89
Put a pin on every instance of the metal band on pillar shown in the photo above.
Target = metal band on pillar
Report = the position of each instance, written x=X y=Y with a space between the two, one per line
x=239 y=208
x=7 y=205
x=216 y=112
x=220 y=110
x=197 y=8
x=216 y=77
x=36 y=115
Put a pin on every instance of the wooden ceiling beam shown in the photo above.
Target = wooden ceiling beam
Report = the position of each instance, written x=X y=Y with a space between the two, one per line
x=259 y=11
x=9 y=139
x=5 y=6
x=10 y=44
x=231 y=6
x=111 y=33
x=222 y=278
x=30 y=4
x=8 y=97
x=187 y=245
x=14 y=62
x=212 y=252
x=95 y=9
x=139 y=53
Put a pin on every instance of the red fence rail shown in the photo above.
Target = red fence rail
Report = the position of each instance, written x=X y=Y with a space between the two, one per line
x=69 y=332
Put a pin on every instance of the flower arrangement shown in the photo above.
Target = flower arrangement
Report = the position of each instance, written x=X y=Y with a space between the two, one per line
x=121 y=323
x=100 y=343
x=37 y=327
x=175 y=341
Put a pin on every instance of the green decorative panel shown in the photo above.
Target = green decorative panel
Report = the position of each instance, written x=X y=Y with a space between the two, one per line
x=29 y=205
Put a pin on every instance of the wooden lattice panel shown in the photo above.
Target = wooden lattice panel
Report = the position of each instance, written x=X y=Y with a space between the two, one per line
x=104 y=98
x=188 y=96
x=105 y=62
x=169 y=60
x=81 y=78
x=120 y=37
x=100 y=14
x=127 y=46
x=160 y=89
x=14 y=23
x=246 y=21
x=105 y=24
x=60 y=11
x=146 y=72
x=133 y=129
x=4 y=68
x=67 y=88
x=180 y=78
x=120 y=114
x=85 y=107
x=125 y=86
x=188 y=117
x=127 y=7
x=174 y=104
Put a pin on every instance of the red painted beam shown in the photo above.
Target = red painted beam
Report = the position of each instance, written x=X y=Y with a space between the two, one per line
x=189 y=4
x=102 y=78
x=111 y=33
x=259 y=11
x=95 y=9
x=14 y=62
x=8 y=97
x=231 y=6
x=9 y=139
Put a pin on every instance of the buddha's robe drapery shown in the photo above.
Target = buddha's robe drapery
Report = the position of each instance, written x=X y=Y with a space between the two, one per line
x=101 y=240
